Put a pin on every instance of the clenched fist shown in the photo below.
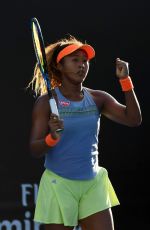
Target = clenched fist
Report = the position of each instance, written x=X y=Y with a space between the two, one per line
x=122 y=68
x=55 y=124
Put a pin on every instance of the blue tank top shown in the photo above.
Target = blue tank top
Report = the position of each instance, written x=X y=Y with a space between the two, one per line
x=76 y=154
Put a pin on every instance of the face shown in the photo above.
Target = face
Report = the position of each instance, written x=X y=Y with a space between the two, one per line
x=75 y=67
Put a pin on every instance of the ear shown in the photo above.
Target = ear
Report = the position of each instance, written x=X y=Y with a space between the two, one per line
x=59 y=66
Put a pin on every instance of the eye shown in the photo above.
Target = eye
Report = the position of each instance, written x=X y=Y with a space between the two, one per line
x=75 y=59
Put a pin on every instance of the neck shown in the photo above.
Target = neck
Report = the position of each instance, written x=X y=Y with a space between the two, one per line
x=74 y=92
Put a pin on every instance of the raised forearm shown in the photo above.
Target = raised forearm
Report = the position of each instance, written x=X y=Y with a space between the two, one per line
x=133 y=111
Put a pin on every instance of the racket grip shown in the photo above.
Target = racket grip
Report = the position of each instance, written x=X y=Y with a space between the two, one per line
x=53 y=106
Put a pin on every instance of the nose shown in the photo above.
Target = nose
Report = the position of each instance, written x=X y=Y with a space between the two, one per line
x=82 y=65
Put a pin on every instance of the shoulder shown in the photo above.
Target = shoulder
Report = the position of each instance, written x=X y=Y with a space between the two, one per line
x=99 y=96
x=41 y=105
x=95 y=92
x=41 y=99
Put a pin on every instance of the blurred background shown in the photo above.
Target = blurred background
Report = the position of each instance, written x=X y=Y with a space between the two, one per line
x=115 y=29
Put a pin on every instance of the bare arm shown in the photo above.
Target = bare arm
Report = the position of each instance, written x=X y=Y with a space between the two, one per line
x=42 y=124
x=39 y=128
x=128 y=114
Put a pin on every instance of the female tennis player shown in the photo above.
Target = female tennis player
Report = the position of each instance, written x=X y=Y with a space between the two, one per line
x=74 y=189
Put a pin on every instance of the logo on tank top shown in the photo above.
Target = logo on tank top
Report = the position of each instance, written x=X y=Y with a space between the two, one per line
x=64 y=103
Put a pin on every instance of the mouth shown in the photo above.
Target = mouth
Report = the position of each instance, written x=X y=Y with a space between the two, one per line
x=81 y=73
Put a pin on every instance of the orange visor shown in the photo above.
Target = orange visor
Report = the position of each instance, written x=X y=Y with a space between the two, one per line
x=73 y=47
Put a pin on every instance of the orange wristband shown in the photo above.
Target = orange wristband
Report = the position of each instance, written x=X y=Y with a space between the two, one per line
x=126 y=84
x=50 y=141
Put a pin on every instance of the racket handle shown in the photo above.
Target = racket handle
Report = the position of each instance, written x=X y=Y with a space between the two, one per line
x=54 y=109
x=53 y=106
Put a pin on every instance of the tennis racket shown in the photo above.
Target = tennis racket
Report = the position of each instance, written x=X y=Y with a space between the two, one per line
x=39 y=48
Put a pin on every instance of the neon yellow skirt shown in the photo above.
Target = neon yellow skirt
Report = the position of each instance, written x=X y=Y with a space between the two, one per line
x=64 y=201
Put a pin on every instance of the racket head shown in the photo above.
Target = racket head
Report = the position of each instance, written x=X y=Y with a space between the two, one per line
x=39 y=48
x=39 y=45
